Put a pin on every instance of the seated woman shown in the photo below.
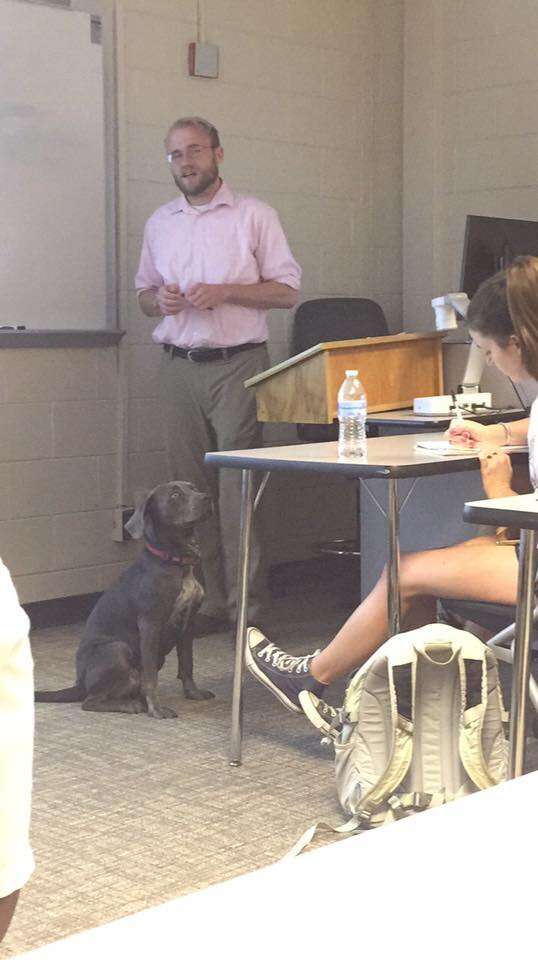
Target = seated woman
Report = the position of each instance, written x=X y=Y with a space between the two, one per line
x=503 y=321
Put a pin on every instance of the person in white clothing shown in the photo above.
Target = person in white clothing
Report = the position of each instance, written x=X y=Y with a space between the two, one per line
x=16 y=748
x=503 y=322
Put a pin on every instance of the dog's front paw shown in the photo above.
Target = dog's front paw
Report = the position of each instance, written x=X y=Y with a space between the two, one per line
x=162 y=713
x=196 y=694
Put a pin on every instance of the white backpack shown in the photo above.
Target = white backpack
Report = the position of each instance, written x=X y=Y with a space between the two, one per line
x=422 y=725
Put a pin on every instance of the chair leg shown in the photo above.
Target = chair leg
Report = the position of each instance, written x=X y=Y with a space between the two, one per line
x=533 y=693
x=506 y=655
x=502 y=637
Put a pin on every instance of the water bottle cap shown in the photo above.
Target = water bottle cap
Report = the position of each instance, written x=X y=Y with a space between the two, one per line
x=352 y=373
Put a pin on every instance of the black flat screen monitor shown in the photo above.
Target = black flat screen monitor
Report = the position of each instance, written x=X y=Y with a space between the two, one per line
x=491 y=243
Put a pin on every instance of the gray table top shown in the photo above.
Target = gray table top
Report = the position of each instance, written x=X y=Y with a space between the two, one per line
x=520 y=512
x=408 y=417
x=388 y=457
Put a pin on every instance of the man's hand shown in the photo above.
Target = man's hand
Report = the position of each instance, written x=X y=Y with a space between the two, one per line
x=206 y=296
x=257 y=296
x=496 y=470
x=170 y=300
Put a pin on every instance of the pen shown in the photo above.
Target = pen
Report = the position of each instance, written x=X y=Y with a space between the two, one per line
x=465 y=435
x=457 y=408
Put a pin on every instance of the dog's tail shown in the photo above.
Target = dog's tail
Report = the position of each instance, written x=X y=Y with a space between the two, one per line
x=74 y=694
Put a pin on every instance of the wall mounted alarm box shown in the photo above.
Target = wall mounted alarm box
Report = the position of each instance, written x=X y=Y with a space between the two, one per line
x=203 y=60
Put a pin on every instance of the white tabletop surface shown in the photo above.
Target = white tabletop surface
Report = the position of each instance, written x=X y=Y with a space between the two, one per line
x=453 y=883
x=397 y=449
x=386 y=456
x=520 y=511
x=523 y=503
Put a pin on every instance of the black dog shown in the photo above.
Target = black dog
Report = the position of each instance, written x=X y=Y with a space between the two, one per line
x=145 y=614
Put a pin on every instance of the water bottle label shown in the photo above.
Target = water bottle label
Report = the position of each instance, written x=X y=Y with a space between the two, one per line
x=348 y=408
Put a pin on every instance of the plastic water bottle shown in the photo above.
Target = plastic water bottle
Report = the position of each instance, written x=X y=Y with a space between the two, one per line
x=352 y=417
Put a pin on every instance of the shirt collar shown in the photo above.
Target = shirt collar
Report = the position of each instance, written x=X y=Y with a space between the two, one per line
x=223 y=198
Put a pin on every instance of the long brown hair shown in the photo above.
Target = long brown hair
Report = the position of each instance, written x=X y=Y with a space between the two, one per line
x=506 y=305
x=522 y=294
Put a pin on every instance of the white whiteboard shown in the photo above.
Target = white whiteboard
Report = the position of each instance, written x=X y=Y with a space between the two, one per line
x=52 y=170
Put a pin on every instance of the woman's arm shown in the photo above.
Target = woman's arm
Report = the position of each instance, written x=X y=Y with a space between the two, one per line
x=469 y=433
x=496 y=470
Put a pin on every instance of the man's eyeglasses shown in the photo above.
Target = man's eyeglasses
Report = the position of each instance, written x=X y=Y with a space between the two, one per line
x=188 y=154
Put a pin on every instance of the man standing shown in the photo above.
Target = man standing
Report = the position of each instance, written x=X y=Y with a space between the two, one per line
x=213 y=262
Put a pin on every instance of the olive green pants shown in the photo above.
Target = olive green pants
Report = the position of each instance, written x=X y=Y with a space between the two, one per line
x=208 y=408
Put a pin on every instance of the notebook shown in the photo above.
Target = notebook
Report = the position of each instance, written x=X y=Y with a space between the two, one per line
x=443 y=448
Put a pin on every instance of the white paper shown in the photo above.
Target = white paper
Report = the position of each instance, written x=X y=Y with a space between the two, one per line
x=443 y=448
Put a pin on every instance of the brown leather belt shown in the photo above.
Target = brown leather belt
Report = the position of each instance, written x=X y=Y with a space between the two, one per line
x=207 y=354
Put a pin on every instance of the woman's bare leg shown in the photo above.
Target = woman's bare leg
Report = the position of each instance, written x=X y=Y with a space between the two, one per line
x=474 y=570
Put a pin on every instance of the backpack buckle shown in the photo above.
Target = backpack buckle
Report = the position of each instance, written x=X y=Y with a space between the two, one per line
x=421 y=801
x=397 y=807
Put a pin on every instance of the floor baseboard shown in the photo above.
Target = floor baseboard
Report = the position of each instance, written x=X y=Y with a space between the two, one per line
x=334 y=573
x=61 y=611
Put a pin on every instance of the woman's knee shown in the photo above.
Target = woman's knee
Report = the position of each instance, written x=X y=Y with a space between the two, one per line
x=412 y=572
x=416 y=570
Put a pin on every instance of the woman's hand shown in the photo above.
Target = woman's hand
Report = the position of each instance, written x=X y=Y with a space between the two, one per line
x=466 y=433
x=469 y=433
x=496 y=470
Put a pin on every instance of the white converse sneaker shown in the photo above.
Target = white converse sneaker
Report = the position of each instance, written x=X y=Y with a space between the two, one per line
x=327 y=719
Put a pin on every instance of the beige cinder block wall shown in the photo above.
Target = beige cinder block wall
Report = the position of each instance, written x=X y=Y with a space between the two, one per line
x=309 y=104
x=59 y=437
x=470 y=133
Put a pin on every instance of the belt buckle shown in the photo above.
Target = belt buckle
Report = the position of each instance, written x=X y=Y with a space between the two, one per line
x=191 y=355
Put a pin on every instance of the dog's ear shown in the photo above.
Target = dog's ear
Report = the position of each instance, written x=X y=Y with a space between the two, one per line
x=135 y=526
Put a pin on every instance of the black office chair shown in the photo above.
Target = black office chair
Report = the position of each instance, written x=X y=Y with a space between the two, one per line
x=333 y=318
x=321 y=321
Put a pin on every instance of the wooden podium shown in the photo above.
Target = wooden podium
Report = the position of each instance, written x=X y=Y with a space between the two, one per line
x=393 y=369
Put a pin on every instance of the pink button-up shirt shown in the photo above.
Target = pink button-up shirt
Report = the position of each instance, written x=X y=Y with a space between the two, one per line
x=233 y=239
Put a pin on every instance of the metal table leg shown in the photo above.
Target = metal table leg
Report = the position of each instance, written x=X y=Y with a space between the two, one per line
x=393 y=587
x=522 y=652
x=247 y=510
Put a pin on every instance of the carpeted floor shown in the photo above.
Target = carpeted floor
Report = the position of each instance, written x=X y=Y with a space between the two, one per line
x=129 y=812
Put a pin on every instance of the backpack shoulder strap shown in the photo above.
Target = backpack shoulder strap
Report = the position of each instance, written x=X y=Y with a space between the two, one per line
x=401 y=664
x=473 y=666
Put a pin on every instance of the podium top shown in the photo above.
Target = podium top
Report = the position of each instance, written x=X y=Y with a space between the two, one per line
x=343 y=344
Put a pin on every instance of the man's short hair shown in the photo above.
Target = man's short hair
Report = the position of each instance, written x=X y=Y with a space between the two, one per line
x=200 y=124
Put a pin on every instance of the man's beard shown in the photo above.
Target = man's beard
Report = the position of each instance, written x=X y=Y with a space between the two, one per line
x=201 y=185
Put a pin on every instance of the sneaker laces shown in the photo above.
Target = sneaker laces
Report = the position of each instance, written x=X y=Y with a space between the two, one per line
x=284 y=661
x=326 y=710
x=336 y=717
